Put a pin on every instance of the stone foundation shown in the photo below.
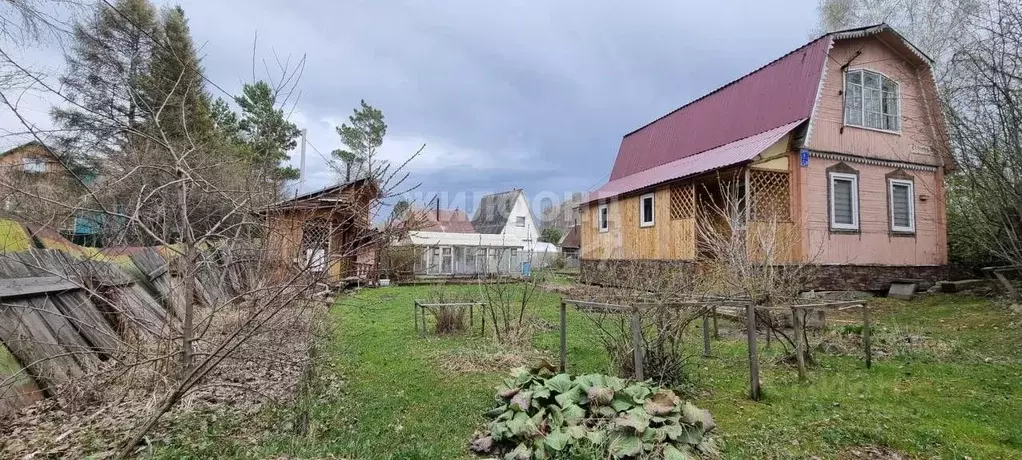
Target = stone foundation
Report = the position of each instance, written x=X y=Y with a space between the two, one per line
x=825 y=277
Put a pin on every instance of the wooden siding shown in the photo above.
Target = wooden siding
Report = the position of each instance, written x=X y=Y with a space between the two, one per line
x=916 y=143
x=625 y=239
x=873 y=243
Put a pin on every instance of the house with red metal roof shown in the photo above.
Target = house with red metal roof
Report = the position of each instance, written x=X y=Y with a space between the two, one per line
x=837 y=149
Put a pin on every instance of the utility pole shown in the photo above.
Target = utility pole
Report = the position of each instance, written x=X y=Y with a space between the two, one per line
x=301 y=167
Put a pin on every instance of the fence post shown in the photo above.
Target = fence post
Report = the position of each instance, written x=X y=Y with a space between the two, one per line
x=867 y=334
x=415 y=315
x=482 y=319
x=716 y=331
x=706 y=332
x=800 y=357
x=564 y=338
x=637 y=346
x=750 y=326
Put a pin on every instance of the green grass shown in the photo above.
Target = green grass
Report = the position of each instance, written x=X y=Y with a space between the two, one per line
x=396 y=402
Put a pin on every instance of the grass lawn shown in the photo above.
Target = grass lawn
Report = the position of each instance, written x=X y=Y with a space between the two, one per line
x=383 y=392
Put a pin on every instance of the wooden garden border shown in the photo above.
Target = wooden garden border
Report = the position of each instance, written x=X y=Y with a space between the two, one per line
x=710 y=310
x=420 y=306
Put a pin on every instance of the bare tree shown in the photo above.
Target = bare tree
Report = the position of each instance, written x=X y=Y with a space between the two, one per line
x=983 y=107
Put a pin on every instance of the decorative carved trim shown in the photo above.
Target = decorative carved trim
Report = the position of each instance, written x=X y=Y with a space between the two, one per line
x=871 y=161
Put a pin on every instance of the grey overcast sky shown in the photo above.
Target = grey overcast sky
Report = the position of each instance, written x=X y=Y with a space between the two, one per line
x=511 y=94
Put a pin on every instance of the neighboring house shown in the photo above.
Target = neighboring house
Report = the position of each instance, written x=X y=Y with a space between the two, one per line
x=507 y=214
x=36 y=187
x=327 y=233
x=563 y=215
x=839 y=146
x=500 y=238
x=571 y=245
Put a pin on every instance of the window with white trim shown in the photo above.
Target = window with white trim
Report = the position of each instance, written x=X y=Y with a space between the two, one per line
x=903 y=210
x=603 y=218
x=520 y=221
x=647 y=209
x=34 y=165
x=872 y=101
x=844 y=201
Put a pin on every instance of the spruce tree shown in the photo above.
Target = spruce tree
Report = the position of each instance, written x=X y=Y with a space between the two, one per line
x=175 y=100
x=107 y=61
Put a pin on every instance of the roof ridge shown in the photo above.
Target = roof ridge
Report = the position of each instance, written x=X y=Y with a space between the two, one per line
x=726 y=85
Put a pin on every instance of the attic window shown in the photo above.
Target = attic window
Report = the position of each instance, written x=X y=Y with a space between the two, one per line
x=520 y=221
x=34 y=165
x=872 y=101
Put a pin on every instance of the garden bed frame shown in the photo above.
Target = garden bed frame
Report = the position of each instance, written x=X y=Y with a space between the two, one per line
x=420 y=307
x=708 y=310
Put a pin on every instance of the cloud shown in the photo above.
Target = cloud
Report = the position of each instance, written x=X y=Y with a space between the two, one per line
x=520 y=93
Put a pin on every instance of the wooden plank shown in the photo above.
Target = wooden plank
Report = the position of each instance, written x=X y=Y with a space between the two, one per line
x=564 y=337
x=88 y=321
x=706 y=333
x=800 y=357
x=637 y=345
x=19 y=287
x=867 y=337
x=750 y=326
x=66 y=333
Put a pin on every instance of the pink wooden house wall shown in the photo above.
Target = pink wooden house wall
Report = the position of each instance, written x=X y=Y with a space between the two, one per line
x=917 y=143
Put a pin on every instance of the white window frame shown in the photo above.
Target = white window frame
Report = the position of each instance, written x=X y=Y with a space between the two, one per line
x=603 y=218
x=911 y=204
x=652 y=209
x=34 y=165
x=520 y=221
x=862 y=101
x=855 y=201
x=450 y=253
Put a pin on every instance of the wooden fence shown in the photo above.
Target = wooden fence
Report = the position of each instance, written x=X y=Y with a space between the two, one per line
x=60 y=316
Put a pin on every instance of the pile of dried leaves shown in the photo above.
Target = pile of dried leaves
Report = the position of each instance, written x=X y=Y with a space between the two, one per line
x=91 y=416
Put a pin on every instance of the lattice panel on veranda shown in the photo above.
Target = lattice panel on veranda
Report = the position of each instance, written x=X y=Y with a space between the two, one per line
x=683 y=201
x=315 y=233
x=771 y=196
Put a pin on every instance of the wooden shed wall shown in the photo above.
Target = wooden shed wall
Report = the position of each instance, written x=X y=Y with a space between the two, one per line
x=667 y=238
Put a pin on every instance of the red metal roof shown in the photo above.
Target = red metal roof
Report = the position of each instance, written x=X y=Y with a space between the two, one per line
x=735 y=152
x=777 y=94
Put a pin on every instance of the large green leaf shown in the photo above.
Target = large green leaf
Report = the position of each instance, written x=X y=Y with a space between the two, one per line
x=573 y=414
x=673 y=453
x=624 y=445
x=695 y=416
x=557 y=440
x=597 y=437
x=638 y=391
x=575 y=432
x=522 y=452
x=496 y=411
x=559 y=383
x=522 y=425
x=571 y=396
x=636 y=419
x=622 y=402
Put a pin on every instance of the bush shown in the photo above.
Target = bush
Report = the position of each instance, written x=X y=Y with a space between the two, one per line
x=540 y=415
x=450 y=320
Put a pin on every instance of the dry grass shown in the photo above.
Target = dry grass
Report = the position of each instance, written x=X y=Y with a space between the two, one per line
x=88 y=416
